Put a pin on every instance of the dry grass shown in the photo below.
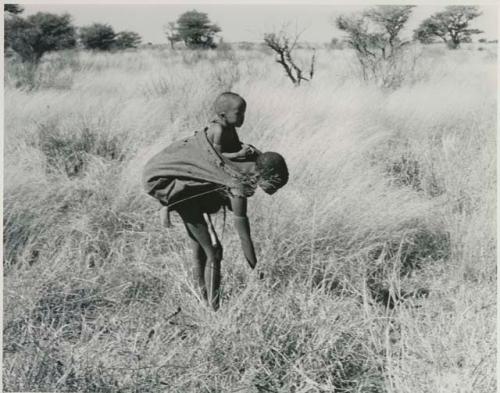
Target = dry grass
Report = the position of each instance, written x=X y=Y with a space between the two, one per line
x=378 y=256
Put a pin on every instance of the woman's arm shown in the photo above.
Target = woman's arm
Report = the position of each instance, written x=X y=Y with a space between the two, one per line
x=239 y=207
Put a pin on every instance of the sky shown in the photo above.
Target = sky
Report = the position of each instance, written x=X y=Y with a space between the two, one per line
x=241 y=22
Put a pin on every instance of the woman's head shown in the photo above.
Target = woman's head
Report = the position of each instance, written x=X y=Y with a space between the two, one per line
x=272 y=170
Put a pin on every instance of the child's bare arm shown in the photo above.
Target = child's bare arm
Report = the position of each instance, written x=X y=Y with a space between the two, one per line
x=255 y=151
x=245 y=152
x=242 y=225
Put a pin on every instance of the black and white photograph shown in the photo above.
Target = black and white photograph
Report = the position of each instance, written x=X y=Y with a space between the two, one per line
x=251 y=197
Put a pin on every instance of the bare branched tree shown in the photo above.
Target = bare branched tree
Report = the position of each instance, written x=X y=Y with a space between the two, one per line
x=283 y=44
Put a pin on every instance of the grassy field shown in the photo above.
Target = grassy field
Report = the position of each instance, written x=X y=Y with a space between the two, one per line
x=379 y=256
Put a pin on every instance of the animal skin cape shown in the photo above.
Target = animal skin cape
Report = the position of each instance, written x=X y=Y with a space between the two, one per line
x=191 y=167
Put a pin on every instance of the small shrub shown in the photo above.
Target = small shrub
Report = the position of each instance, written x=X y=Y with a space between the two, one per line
x=226 y=75
x=22 y=74
x=144 y=287
x=157 y=87
x=55 y=71
x=63 y=307
x=397 y=261
x=409 y=253
x=190 y=57
x=68 y=151
x=405 y=172
x=224 y=51
x=246 y=46
x=29 y=235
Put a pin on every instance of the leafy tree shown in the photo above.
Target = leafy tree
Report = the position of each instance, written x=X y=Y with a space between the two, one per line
x=127 y=39
x=376 y=31
x=13 y=9
x=450 y=25
x=19 y=36
x=10 y=11
x=391 y=19
x=97 y=36
x=196 y=30
x=43 y=32
x=374 y=36
x=170 y=30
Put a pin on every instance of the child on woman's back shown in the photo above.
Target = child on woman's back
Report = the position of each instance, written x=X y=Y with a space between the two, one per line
x=221 y=132
x=230 y=111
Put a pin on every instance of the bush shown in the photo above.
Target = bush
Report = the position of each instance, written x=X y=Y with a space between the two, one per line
x=55 y=71
x=69 y=151
x=127 y=39
x=97 y=36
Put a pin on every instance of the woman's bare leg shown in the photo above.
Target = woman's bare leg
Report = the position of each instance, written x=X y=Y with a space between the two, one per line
x=200 y=260
x=209 y=267
x=212 y=281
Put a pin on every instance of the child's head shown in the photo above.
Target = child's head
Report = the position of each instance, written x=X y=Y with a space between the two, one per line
x=230 y=108
x=273 y=172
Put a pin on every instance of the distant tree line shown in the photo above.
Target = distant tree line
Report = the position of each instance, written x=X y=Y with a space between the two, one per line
x=33 y=36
